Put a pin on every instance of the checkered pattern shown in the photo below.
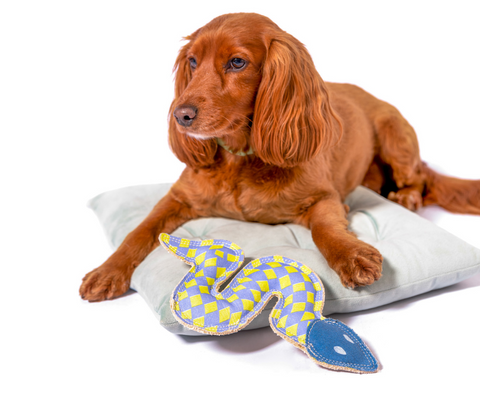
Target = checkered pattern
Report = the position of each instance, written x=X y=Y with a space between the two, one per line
x=197 y=302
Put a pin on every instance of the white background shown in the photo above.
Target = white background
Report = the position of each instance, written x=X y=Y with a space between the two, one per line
x=85 y=88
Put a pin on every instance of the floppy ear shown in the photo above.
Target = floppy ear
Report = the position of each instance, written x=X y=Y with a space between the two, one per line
x=292 y=120
x=193 y=152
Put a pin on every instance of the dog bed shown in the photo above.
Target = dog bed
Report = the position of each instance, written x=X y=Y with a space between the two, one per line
x=418 y=255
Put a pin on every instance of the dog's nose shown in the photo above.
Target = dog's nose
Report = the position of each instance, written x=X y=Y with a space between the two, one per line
x=185 y=115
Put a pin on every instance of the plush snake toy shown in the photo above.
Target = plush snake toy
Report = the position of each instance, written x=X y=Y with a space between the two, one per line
x=198 y=303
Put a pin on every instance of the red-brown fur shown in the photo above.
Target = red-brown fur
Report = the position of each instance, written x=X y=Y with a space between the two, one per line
x=313 y=143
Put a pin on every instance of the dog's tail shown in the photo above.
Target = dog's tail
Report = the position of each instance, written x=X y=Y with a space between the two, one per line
x=454 y=194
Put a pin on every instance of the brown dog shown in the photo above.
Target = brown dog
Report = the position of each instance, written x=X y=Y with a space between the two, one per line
x=266 y=140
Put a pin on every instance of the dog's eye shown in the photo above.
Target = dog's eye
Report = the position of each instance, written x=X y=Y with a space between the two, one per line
x=193 y=63
x=237 y=63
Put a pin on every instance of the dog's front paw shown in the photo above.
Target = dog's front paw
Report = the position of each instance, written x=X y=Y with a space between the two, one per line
x=104 y=283
x=360 y=266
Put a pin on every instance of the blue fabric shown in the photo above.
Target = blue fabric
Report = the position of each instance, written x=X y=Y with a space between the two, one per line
x=333 y=343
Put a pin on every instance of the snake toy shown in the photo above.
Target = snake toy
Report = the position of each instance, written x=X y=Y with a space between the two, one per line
x=198 y=303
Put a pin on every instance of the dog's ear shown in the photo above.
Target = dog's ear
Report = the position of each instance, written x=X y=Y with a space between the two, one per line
x=292 y=119
x=193 y=152
x=181 y=69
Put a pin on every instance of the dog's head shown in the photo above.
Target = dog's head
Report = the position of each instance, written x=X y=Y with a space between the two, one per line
x=244 y=80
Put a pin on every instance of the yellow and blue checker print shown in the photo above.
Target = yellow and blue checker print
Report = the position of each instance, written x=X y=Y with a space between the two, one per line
x=198 y=304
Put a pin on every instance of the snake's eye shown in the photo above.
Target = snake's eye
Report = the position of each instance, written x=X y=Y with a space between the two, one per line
x=193 y=63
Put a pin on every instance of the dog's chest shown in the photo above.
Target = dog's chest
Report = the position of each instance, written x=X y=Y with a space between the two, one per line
x=267 y=195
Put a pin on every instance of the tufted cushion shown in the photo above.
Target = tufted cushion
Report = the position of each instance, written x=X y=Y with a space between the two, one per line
x=418 y=256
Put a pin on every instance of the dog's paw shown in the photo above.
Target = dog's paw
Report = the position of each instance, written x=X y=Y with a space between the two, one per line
x=104 y=283
x=361 y=266
x=409 y=198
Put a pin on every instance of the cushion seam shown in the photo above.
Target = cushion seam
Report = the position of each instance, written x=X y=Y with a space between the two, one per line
x=373 y=222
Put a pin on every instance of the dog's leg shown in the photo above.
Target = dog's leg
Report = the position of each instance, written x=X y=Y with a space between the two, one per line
x=112 y=278
x=399 y=150
x=374 y=178
x=356 y=262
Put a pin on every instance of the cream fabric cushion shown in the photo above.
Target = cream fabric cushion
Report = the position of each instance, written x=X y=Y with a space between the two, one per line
x=418 y=256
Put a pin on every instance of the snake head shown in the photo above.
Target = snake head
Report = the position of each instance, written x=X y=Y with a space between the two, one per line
x=334 y=345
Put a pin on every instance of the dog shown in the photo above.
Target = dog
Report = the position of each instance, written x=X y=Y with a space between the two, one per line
x=265 y=139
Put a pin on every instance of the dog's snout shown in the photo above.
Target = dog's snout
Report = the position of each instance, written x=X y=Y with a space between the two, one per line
x=185 y=115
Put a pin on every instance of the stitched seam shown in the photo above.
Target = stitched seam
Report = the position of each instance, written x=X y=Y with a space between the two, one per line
x=294 y=236
x=372 y=221
x=190 y=231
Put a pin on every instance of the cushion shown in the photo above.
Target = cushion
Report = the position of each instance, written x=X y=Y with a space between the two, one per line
x=418 y=255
